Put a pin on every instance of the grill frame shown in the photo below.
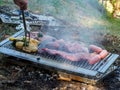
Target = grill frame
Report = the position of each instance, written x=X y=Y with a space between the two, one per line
x=8 y=20
x=42 y=20
x=93 y=75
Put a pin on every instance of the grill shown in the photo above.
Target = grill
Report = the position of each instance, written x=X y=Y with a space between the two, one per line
x=80 y=71
x=9 y=16
x=33 y=19
x=16 y=20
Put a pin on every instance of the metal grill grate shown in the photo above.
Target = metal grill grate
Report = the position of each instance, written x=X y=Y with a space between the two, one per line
x=80 y=68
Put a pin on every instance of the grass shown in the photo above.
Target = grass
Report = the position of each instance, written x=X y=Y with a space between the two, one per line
x=7 y=2
x=78 y=12
x=113 y=24
x=1 y=2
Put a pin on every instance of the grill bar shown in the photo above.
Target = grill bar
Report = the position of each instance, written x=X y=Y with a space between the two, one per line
x=107 y=64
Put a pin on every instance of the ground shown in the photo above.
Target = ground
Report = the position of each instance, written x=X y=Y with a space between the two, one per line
x=17 y=74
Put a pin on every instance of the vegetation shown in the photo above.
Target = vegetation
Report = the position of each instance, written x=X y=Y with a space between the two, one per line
x=1 y=1
x=86 y=13
x=112 y=6
x=113 y=25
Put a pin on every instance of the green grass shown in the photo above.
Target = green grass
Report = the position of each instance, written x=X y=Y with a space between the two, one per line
x=6 y=2
x=1 y=2
x=113 y=24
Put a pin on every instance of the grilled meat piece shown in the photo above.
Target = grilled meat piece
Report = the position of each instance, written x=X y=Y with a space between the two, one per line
x=68 y=56
x=94 y=59
x=95 y=48
x=103 y=54
x=52 y=43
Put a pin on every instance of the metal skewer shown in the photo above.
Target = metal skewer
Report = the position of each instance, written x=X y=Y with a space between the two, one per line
x=25 y=29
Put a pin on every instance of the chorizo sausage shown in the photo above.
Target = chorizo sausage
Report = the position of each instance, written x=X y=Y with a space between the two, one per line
x=103 y=54
x=95 y=48
x=94 y=59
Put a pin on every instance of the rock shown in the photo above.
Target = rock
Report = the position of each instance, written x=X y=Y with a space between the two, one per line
x=3 y=77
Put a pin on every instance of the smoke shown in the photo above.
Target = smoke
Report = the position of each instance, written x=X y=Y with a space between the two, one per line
x=83 y=17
